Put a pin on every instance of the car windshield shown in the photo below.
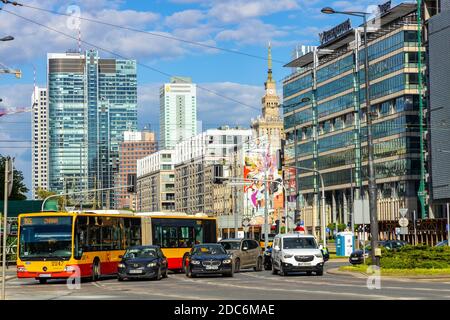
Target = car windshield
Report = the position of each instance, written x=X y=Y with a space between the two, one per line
x=140 y=253
x=45 y=238
x=209 y=250
x=231 y=245
x=299 y=243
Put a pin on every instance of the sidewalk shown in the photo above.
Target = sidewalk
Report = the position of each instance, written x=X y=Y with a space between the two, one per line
x=362 y=275
x=10 y=273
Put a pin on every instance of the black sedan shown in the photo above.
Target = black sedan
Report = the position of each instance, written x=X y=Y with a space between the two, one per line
x=142 y=262
x=357 y=256
x=209 y=259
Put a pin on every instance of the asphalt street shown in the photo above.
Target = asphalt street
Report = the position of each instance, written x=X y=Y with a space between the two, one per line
x=246 y=285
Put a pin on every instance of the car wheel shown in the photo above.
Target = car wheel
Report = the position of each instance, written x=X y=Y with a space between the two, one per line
x=119 y=278
x=164 y=275
x=189 y=273
x=230 y=274
x=158 y=275
x=42 y=281
x=259 y=263
x=282 y=272
x=308 y=273
x=95 y=270
x=274 y=271
x=237 y=265
x=319 y=272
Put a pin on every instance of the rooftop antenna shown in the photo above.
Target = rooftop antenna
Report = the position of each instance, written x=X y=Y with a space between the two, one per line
x=79 y=36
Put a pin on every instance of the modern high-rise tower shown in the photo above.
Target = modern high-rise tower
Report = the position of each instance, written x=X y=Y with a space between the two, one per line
x=178 y=111
x=92 y=102
x=39 y=131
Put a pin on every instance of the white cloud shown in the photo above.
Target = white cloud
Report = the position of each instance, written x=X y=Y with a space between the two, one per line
x=186 y=18
x=251 y=32
x=237 y=10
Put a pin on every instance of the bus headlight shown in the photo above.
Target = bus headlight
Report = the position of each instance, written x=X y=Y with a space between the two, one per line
x=195 y=262
x=21 y=269
x=69 y=269
x=151 y=265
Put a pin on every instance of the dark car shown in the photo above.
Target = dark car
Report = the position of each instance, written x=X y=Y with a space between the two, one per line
x=142 y=262
x=357 y=256
x=209 y=259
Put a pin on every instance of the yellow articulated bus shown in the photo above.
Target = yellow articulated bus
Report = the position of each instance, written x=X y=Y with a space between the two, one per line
x=55 y=245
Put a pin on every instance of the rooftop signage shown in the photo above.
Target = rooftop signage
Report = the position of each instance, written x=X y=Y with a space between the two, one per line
x=385 y=7
x=336 y=32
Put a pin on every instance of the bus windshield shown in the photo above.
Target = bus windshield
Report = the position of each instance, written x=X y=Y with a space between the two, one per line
x=45 y=238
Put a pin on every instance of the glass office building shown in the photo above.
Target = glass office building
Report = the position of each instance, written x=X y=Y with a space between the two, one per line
x=325 y=118
x=92 y=102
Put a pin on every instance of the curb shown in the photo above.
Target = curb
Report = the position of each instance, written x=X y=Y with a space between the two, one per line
x=7 y=278
x=357 y=274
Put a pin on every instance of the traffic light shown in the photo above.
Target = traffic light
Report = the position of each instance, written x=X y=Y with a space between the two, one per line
x=131 y=183
x=218 y=174
x=280 y=159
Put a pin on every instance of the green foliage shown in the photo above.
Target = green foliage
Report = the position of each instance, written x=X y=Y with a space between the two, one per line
x=19 y=189
x=412 y=257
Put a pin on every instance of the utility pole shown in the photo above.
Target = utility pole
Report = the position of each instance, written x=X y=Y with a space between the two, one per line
x=266 y=210
x=7 y=191
x=448 y=224
x=236 y=220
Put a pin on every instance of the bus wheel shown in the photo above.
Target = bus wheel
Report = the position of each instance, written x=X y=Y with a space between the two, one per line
x=42 y=281
x=96 y=270
x=185 y=263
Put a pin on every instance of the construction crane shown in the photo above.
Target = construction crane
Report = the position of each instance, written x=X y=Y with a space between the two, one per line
x=5 y=112
x=5 y=69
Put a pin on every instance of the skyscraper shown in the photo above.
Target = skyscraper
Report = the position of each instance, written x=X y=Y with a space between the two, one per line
x=40 y=140
x=92 y=101
x=178 y=111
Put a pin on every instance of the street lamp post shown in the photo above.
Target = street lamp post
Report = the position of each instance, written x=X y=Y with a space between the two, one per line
x=372 y=182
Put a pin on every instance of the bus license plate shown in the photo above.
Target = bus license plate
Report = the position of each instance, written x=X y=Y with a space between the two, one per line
x=45 y=276
x=212 y=267
x=135 y=271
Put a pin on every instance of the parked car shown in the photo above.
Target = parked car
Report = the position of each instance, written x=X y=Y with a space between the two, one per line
x=357 y=256
x=268 y=258
x=209 y=258
x=294 y=252
x=140 y=262
x=442 y=243
x=246 y=253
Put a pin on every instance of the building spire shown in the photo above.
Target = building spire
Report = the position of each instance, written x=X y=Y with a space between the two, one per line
x=269 y=63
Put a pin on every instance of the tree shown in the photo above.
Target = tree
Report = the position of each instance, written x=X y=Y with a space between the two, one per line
x=43 y=193
x=19 y=189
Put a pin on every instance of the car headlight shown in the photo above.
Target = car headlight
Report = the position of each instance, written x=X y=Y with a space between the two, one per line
x=121 y=265
x=287 y=256
x=151 y=264
x=319 y=255
x=226 y=261
x=195 y=262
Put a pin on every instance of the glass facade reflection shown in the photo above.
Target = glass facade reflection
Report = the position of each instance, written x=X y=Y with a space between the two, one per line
x=329 y=132
x=92 y=101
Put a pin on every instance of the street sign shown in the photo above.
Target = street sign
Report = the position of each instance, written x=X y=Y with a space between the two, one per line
x=403 y=212
x=361 y=211
x=245 y=222
x=403 y=222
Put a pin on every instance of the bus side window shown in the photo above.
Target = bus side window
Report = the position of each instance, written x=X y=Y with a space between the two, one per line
x=135 y=232
x=80 y=237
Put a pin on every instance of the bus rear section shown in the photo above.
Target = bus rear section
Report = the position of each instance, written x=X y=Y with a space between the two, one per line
x=176 y=235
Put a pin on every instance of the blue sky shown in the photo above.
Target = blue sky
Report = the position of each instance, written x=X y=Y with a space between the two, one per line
x=243 y=25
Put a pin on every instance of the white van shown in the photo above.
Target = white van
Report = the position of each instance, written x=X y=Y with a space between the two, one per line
x=295 y=252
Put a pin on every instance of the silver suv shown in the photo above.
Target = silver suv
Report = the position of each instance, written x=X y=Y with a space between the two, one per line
x=246 y=253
